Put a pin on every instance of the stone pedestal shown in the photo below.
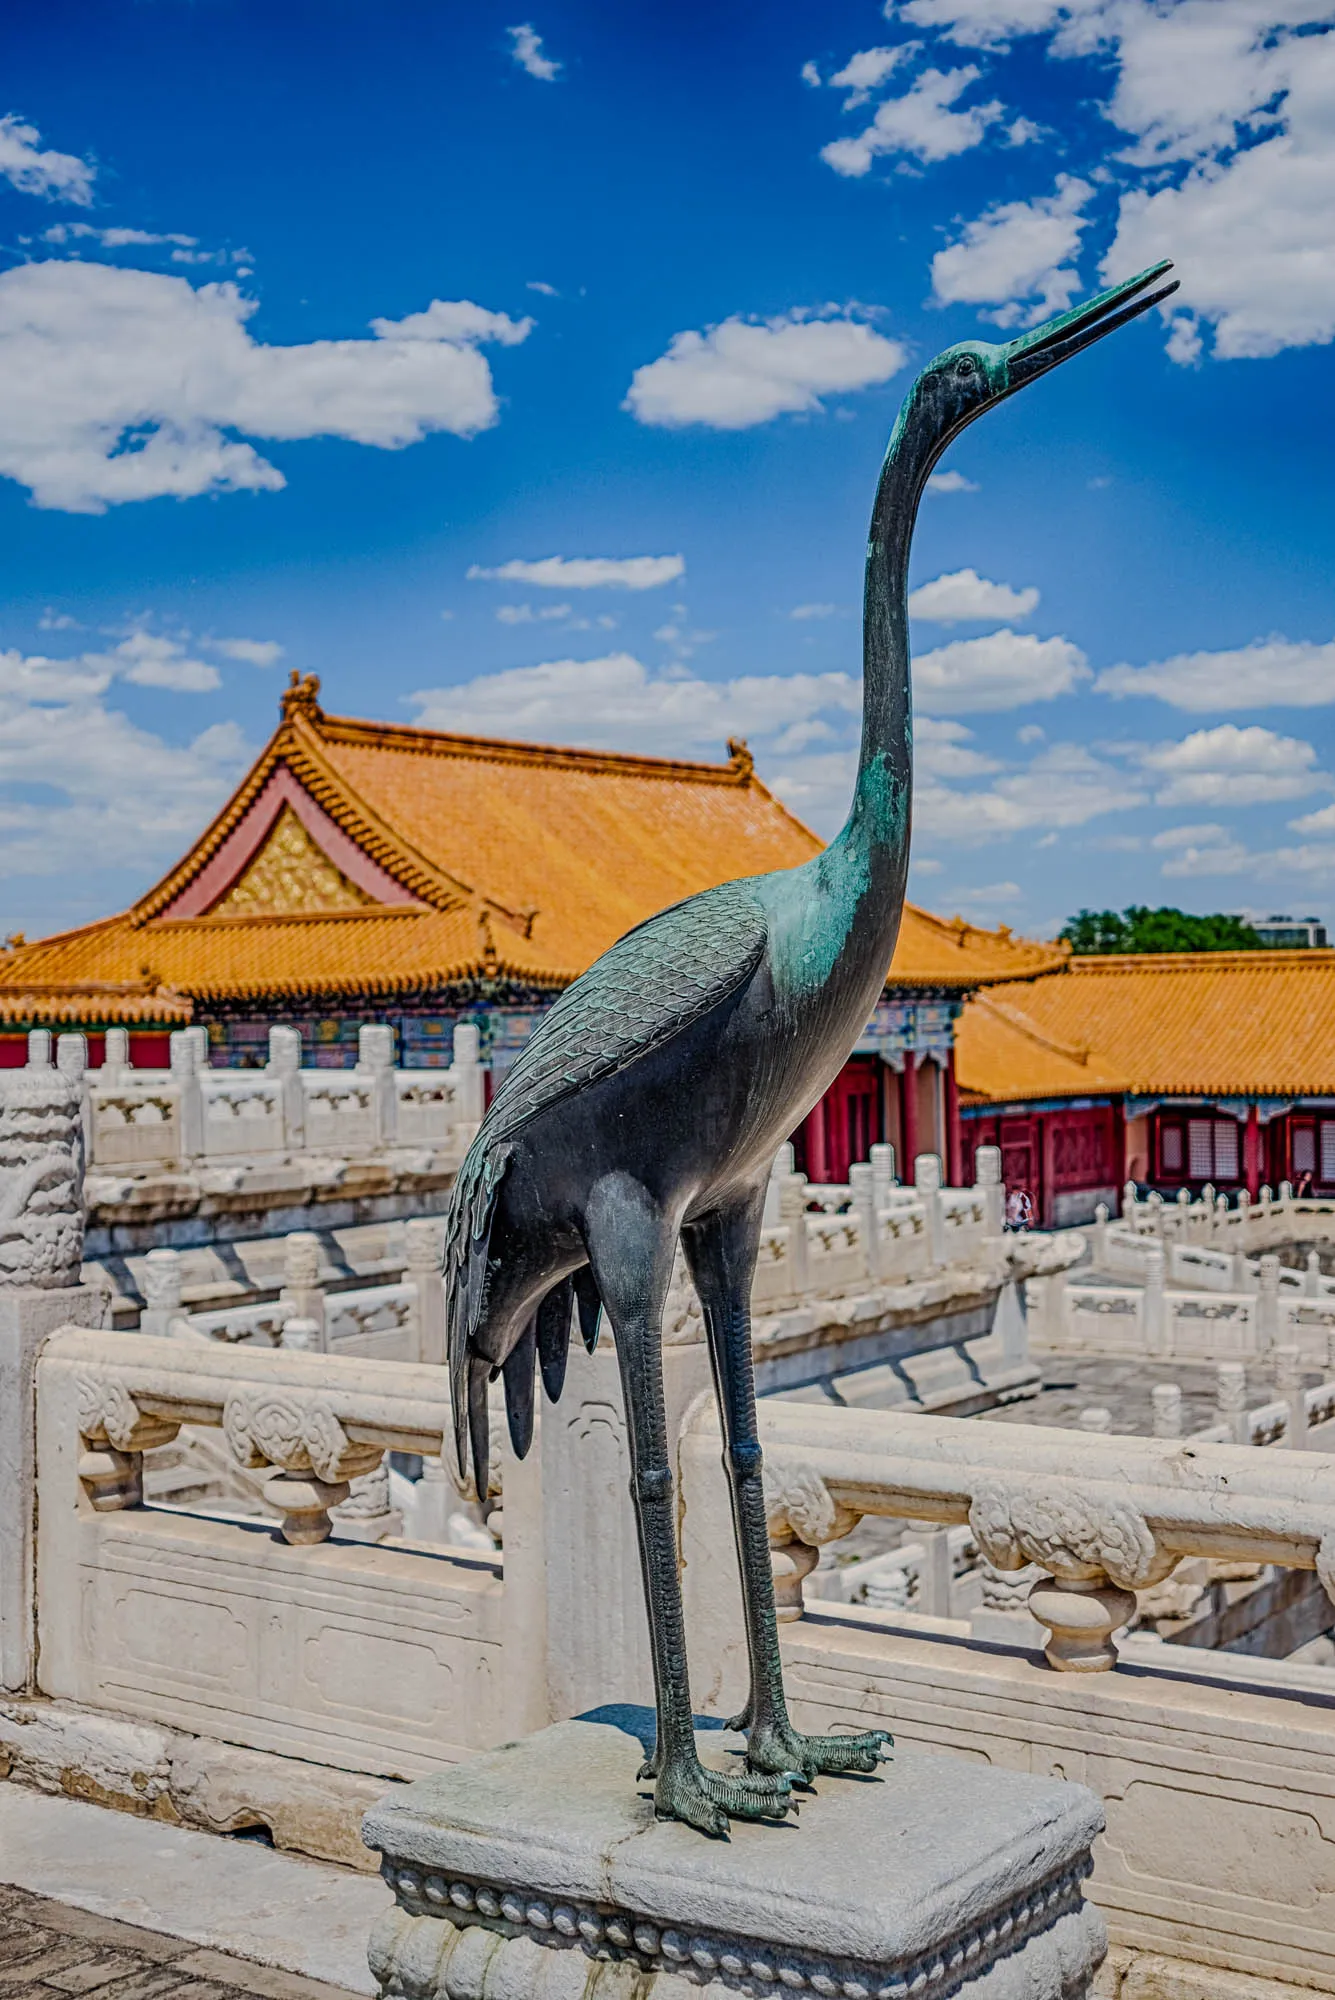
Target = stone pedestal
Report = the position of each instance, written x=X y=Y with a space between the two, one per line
x=538 y=1872
x=28 y=1313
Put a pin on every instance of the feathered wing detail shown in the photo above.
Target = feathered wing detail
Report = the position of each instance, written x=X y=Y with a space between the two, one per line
x=648 y=987
x=589 y=1306
x=554 y=1337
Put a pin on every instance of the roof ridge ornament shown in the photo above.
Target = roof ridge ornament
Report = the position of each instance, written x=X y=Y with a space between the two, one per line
x=302 y=697
x=739 y=756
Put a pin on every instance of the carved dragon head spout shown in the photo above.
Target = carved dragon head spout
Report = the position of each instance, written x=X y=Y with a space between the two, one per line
x=966 y=380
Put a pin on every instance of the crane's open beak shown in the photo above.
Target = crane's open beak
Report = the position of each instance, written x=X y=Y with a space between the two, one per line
x=1034 y=353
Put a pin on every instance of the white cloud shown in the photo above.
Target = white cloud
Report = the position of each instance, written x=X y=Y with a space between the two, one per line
x=125 y=797
x=940 y=751
x=33 y=678
x=615 y=702
x=963 y=596
x=52 y=620
x=1064 y=786
x=1219 y=855
x=57 y=176
x=538 y=285
x=1016 y=251
x=1000 y=670
x=1315 y=822
x=984 y=24
x=255 y=652
x=745 y=372
x=1231 y=766
x=120 y=385
x=1208 y=835
x=116 y=238
x=524 y=614
x=586 y=572
x=454 y=320
x=1268 y=673
x=803 y=611
x=151 y=660
x=865 y=72
x=526 y=47
x=950 y=482
x=922 y=123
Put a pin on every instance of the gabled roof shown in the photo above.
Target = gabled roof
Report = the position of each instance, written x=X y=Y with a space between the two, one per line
x=371 y=858
x=1189 y=1024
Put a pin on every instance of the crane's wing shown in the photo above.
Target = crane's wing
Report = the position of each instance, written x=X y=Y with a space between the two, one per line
x=653 y=983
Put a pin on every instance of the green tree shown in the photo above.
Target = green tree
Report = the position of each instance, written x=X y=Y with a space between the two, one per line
x=1139 y=928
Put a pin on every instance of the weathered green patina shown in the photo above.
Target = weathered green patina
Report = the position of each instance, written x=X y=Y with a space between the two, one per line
x=649 y=1104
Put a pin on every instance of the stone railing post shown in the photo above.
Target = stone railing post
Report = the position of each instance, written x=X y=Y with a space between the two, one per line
x=1129 y=1203
x=987 y=1178
x=116 y=1056
x=467 y=1071
x=368 y=1514
x=1010 y=1322
x=1231 y=1399
x=115 y=1434
x=783 y=1166
x=1099 y=1257
x=72 y=1062
x=184 y=1047
x=285 y=1064
x=1157 y=1329
x=862 y=1186
x=793 y=1215
x=1311 y=1276
x=883 y=1171
x=375 y=1058
x=927 y=1180
x=1267 y=1303
x=301 y=1335
x=423 y=1250
x=1166 y=1400
x=1096 y=1419
x=1240 y=1276
x=161 y=1275
x=1289 y=1390
x=303 y=1294
x=42 y=1151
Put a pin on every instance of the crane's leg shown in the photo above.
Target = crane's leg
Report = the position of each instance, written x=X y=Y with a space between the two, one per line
x=630 y=1248
x=721 y=1252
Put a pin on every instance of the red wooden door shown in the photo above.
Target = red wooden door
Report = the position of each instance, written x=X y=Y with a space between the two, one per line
x=1021 y=1142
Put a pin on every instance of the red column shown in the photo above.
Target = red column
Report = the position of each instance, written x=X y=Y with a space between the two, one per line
x=954 y=1141
x=1251 y=1152
x=908 y=1123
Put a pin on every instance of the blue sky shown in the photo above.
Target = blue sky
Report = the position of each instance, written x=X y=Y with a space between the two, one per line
x=532 y=375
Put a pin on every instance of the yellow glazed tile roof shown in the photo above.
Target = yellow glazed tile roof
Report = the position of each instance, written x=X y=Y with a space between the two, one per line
x=1219 y=1023
x=1001 y=1053
x=511 y=861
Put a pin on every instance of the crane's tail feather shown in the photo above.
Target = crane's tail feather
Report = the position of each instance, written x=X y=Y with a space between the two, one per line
x=476 y=1419
x=554 y=1337
x=467 y=1242
x=517 y=1370
x=590 y=1306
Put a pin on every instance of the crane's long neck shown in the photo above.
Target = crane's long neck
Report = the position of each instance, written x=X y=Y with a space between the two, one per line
x=874 y=844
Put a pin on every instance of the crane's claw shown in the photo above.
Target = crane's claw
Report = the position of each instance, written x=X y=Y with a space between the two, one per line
x=777 y=1748
x=687 y=1790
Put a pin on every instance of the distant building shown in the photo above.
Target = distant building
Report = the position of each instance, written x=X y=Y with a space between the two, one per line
x=1173 y=1070
x=1291 y=933
x=364 y=871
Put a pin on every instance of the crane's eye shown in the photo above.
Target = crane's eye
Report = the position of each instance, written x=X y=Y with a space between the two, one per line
x=965 y=366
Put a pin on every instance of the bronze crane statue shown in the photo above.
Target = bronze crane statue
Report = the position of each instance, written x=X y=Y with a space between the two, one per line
x=649 y=1104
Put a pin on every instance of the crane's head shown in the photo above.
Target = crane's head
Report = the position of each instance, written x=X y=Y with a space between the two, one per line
x=970 y=378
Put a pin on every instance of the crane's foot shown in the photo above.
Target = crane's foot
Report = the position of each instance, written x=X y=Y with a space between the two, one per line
x=706 y=1799
x=777 y=1747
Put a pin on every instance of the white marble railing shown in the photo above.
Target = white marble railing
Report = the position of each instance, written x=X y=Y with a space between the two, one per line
x=1122 y=1250
x=402 y=1319
x=391 y=1658
x=141 y=1120
x=1208 y=1324
x=1102 y=1516
x=1252 y=1226
x=889 y=1236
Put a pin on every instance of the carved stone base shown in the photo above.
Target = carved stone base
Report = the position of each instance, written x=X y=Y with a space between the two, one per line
x=539 y=1872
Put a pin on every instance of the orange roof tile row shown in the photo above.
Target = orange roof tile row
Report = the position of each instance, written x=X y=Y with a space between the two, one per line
x=102 y=1003
x=1244 y=1023
x=527 y=861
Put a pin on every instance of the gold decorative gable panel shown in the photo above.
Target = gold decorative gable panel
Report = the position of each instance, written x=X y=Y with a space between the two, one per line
x=290 y=876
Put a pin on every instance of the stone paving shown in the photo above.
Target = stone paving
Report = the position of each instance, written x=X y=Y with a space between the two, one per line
x=1075 y=1382
x=50 y=1951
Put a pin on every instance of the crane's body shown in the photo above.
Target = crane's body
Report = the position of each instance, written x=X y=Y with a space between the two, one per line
x=647 y=1108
